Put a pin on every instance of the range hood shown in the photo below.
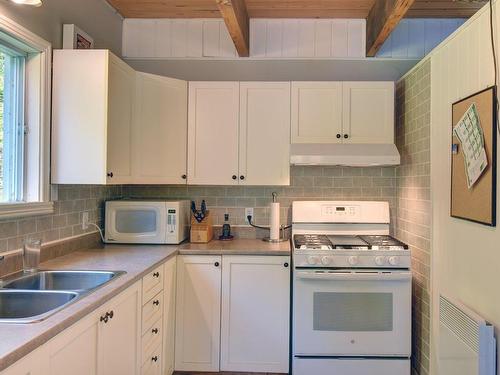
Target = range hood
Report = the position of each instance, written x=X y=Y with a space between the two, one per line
x=351 y=155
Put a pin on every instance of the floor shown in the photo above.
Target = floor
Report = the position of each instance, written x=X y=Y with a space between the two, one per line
x=223 y=373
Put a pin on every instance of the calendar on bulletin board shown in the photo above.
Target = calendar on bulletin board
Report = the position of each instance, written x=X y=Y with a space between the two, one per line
x=473 y=167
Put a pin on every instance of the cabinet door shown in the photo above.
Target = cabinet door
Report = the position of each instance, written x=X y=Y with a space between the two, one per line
x=169 y=316
x=368 y=112
x=121 y=95
x=160 y=131
x=255 y=313
x=119 y=337
x=264 y=133
x=35 y=363
x=75 y=351
x=79 y=98
x=316 y=112
x=197 y=331
x=213 y=133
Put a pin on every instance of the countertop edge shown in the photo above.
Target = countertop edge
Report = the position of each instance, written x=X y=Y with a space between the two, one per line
x=27 y=348
x=24 y=350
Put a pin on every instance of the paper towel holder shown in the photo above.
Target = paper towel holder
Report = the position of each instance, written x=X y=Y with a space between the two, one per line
x=282 y=227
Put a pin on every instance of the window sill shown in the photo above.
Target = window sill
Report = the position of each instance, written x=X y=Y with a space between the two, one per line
x=17 y=210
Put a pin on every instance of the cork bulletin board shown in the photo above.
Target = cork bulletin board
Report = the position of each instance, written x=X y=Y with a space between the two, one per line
x=473 y=190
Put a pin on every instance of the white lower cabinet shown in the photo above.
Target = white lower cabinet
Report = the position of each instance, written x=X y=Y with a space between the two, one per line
x=236 y=308
x=34 y=363
x=76 y=349
x=119 y=338
x=169 y=297
x=255 y=313
x=197 y=331
x=103 y=343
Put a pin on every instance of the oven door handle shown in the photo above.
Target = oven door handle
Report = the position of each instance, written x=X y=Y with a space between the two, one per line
x=354 y=276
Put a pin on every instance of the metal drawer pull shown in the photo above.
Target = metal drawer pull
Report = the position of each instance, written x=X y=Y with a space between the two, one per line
x=155 y=358
x=155 y=331
x=156 y=302
x=156 y=274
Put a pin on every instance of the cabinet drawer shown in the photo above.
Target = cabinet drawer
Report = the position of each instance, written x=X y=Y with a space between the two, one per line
x=152 y=337
x=152 y=284
x=152 y=362
x=152 y=311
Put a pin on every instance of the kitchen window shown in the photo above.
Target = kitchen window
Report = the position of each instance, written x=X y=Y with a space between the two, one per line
x=24 y=122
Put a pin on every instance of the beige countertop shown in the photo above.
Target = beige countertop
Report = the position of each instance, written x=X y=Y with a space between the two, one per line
x=18 y=340
x=236 y=247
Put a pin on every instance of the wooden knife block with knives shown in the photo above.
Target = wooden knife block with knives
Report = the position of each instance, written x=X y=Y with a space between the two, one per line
x=201 y=225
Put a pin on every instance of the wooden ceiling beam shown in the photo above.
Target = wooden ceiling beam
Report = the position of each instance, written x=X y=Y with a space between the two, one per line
x=382 y=20
x=237 y=22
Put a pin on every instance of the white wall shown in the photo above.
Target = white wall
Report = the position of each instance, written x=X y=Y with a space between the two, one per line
x=269 y=38
x=95 y=17
x=416 y=37
x=466 y=256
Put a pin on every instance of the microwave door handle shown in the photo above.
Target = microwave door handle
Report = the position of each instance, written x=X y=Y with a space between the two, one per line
x=354 y=276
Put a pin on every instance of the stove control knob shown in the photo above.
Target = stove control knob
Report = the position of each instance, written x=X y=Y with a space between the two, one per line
x=312 y=260
x=393 y=261
x=353 y=260
x=380 y=261
x=326 y=261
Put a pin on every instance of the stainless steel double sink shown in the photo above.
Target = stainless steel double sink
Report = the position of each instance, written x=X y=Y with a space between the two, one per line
x=32 y=297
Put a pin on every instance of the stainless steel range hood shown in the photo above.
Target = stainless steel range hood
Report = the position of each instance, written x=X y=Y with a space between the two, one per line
x=352 y=155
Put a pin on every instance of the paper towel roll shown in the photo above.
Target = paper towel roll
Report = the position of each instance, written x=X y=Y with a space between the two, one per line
x=275 y=221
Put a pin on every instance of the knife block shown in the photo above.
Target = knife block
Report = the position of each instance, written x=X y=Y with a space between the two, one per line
x=202 y=232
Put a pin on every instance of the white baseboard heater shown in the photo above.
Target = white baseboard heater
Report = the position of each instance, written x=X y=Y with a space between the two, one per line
x=467 y=344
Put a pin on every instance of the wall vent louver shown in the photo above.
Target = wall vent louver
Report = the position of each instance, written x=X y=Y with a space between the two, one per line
x=467 y=344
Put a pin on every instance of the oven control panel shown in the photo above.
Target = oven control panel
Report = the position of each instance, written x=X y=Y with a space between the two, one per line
x=340 y=212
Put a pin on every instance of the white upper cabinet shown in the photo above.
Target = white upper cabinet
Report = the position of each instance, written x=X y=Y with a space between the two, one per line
x=343 y=112
x=239 y=133
x=213 y=133
x=255 y=314
x=159 y=142
x=316 y=112
x=368 y=112
x=92 y=114
x=264 y=146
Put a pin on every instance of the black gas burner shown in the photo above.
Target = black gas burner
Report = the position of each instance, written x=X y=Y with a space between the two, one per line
x=347 y=242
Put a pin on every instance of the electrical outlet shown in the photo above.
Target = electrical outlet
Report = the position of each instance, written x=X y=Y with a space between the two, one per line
x=85 y=220
x=249 y=212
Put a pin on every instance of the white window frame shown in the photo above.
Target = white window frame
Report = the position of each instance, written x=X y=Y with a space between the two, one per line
x=37 y=117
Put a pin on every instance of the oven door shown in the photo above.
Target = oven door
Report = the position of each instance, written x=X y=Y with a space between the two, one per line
x=135 y=222
x=352 y=313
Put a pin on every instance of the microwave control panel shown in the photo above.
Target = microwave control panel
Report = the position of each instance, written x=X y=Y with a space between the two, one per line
x=171 y=220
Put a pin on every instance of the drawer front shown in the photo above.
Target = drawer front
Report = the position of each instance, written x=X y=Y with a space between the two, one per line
x=152 y=337
x=151 y=364
x=152 y=311
x=152 y=284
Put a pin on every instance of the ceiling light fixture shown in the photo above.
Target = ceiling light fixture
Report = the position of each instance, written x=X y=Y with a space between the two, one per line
x=35 y=3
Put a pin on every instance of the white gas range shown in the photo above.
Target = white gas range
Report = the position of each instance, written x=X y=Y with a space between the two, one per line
x=351 y=291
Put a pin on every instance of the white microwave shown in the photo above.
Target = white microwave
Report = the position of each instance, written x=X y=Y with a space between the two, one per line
x=146 y=221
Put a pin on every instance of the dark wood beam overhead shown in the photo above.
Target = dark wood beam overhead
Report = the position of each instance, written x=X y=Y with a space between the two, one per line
x=382 y=20
x=237 y=22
